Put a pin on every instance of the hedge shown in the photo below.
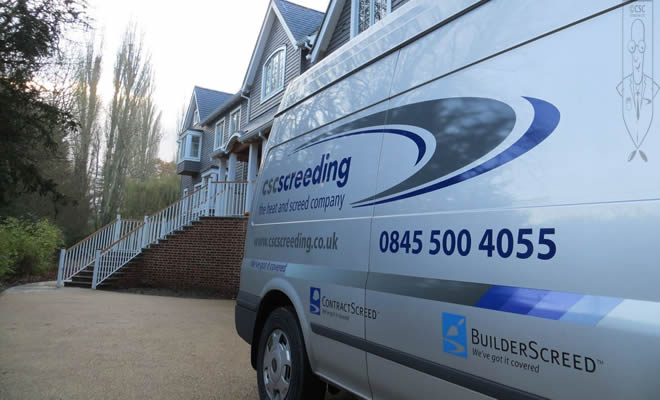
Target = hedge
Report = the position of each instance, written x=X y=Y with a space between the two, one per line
x=27 y=248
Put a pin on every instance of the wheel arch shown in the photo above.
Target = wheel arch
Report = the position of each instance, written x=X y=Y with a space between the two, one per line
x=274 y=297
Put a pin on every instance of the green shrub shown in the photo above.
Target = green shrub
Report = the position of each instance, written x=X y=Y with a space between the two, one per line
x=27 y=248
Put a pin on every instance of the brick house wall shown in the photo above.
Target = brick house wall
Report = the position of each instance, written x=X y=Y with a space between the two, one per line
x=205 y=256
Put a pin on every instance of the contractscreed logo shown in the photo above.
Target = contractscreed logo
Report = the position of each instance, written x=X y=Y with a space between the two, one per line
x=454 y=335
x=637 y=87
x=338 y=308
x=315 y=301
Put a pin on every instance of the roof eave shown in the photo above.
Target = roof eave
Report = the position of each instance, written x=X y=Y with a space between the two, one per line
x=328 y=25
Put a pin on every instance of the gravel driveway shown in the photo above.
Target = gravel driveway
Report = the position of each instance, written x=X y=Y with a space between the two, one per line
x=82 y=344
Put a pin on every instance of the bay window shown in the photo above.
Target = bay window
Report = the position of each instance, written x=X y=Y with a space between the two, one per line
x=190 y=146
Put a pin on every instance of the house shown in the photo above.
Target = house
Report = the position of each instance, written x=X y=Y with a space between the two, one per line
x=231 y=138
x=193 y=155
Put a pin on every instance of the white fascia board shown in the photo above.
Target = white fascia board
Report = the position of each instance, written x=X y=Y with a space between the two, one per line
x=266 y=28
x=283 y=23
x=328 y=28
x=184 y=127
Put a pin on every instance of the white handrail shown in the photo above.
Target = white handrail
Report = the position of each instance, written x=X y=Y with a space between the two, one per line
x=158 y=226
x=117 y=243
x=81 y=255
x=229 y=198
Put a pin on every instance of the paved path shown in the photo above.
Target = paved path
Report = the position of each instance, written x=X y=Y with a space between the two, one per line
x=83 y=344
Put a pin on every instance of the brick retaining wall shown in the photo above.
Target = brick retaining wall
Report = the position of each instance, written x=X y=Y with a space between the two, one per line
x=204 y=257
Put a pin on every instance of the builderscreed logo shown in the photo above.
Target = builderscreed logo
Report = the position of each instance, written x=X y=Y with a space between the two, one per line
x=315 y=301
x=454 y=334
x=528 y=355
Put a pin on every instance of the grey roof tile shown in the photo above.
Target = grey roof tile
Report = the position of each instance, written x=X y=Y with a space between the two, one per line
x=209 y=100
x=302 y=21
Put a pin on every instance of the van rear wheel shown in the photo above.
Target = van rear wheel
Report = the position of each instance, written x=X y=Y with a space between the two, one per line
x=283 y=370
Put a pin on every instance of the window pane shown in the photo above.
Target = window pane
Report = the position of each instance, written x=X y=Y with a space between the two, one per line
x=364 y=14
x=219 y=129
x=280 y=70
x=267 y=75
x=274 y=72
x=380 y=9
x=194 y=147
x=182 y=148
x=234 y=123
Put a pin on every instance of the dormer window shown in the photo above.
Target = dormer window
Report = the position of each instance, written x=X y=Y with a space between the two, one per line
x=272 y=81
x=368 y=12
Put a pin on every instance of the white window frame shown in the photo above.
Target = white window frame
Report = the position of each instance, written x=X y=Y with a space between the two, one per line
x=238 y=129
x=218 y=142
x=187 y=140
x=182 y=150
x=265 y=97
x=185 y=192
x=196 y=117
x=355 y=15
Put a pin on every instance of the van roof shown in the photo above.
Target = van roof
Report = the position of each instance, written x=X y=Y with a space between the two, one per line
x=403 y=26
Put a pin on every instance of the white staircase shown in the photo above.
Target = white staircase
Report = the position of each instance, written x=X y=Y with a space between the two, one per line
x=102 y=254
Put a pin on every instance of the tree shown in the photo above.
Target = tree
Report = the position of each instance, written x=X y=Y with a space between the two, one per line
x=144 y=160
x=145 y=197
x=30 y=35
x=132 y=81
x=85 y=141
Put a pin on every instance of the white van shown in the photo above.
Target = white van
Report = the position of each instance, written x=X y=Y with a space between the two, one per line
x=464 y=204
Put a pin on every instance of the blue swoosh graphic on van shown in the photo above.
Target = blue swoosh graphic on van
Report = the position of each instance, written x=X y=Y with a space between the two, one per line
x=421 y=145
x=546 y=119
x=569 y=307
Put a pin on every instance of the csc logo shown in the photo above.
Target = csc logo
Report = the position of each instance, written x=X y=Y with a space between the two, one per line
x=638 y=8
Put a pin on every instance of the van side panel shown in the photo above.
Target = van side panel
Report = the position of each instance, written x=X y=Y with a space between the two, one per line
x=519 y=261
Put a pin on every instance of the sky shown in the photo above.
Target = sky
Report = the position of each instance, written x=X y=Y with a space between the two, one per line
x=207 y=43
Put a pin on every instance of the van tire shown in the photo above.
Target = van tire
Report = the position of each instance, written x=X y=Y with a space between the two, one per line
x=303 y=384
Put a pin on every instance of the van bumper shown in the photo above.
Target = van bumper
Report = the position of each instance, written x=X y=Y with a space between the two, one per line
x=245 y=315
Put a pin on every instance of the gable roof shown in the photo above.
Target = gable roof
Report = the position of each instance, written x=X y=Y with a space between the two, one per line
x=208 y=100
x=298 y=22
x=302 y=21
x=222 y=108
x=205 y=101
x=328 y=26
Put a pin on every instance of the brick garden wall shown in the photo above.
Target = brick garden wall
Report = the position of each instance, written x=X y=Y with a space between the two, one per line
x=204 y=257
